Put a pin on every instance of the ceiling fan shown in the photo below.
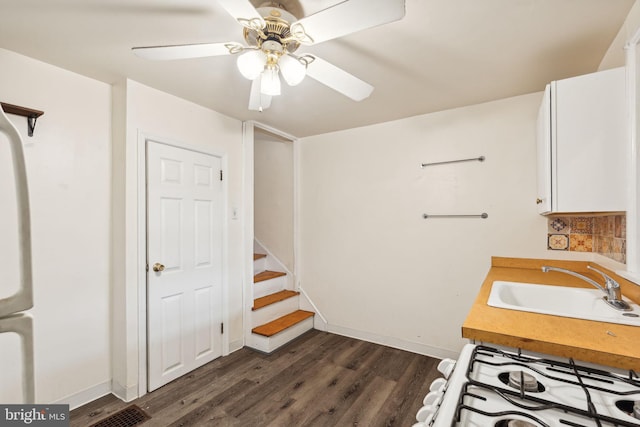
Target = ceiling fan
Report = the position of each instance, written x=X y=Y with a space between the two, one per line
x=273 y=35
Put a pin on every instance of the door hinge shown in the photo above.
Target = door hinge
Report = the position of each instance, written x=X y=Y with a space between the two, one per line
x=220 y=174
x=147 y=267
x=222 y=328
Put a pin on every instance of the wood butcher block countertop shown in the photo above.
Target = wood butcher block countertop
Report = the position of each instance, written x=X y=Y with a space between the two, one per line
x=598 y=342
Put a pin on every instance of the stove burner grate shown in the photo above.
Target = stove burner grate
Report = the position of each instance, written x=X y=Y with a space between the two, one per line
x=565 y=368
x=526 y=409
x=521 y=401
x=500 y=414
x=521 y=381
x=510 y=422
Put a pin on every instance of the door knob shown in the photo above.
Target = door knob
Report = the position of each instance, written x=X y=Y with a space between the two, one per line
x=538 y=201
x=158 y=267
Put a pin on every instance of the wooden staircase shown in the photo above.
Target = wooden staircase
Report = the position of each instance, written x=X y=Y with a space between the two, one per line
x=276 y=317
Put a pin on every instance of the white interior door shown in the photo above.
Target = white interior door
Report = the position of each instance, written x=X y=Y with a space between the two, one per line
x=184 y=244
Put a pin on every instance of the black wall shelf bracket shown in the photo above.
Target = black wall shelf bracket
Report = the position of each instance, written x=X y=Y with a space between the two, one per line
x=31 y=114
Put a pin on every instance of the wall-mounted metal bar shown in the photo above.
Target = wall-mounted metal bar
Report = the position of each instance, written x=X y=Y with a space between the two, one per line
x=482 y=215
x=31 y=114
x=478 y=159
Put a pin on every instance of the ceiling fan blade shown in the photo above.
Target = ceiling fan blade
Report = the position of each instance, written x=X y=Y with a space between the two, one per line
x=257 y=100
x=338 y=79
x=243 y=12
x=346 y=18
x=185 y=51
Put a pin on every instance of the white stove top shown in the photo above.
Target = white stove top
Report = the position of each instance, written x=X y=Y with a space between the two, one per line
x=484 y=390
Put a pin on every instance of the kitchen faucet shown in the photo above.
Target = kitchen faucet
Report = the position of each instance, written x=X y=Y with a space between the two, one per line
x=611 y=288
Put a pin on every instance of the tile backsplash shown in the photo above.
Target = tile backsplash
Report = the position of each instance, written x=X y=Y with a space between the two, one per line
x=604 y=234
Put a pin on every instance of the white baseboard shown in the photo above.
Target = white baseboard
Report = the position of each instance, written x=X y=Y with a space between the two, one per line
x=319 y=324
x=414 y=347
x=126 y=394
x=85 y=396
x=236 y=345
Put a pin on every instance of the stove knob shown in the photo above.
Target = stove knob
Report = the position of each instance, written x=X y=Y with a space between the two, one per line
x=426 y=412
x=433 y=398
x=439 y=384
x=446 y=367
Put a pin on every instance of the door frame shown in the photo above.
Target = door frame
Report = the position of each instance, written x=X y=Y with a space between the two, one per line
x=142 y=139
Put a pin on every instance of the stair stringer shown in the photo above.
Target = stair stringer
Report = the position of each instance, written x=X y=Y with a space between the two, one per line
x=306 y=303
x=272 y=262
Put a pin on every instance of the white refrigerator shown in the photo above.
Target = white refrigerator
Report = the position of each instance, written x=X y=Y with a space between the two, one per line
x=16 y=284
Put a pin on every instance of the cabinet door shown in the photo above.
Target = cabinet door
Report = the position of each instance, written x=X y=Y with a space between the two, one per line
x=543 y=146
x=589 y=143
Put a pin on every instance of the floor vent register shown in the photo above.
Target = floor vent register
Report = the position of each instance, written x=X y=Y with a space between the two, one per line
x=130 y=416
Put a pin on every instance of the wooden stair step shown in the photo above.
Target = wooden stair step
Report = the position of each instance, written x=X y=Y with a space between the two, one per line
x=258 y=256
x=282 y=323
x=266 y=275
x=273 y=298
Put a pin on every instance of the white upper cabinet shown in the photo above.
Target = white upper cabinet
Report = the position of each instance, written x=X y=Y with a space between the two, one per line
x=583 y=145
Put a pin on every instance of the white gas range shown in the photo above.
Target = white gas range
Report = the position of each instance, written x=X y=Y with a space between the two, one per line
x=488 y=387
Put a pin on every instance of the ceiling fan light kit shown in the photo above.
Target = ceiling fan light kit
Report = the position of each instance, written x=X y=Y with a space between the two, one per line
x=293 y=69
x=273 y=35
x=270 y=81
x=251 y=63
x=258 y=101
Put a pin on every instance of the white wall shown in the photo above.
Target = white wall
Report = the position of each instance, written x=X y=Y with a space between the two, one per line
x=68 y=165
x=370 y=262
x=273 y=196
x=157 y=114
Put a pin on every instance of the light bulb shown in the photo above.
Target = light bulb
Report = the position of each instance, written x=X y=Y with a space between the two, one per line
x=251 y=63
x=270 y=81
x=293 y=71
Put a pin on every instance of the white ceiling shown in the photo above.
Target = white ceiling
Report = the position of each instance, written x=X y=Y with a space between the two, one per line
x=443 y=54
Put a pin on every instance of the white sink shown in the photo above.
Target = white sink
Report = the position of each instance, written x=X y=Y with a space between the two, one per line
x=579 y=303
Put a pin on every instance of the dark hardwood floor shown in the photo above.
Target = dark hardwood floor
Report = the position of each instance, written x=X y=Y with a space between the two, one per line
x=320 y=379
